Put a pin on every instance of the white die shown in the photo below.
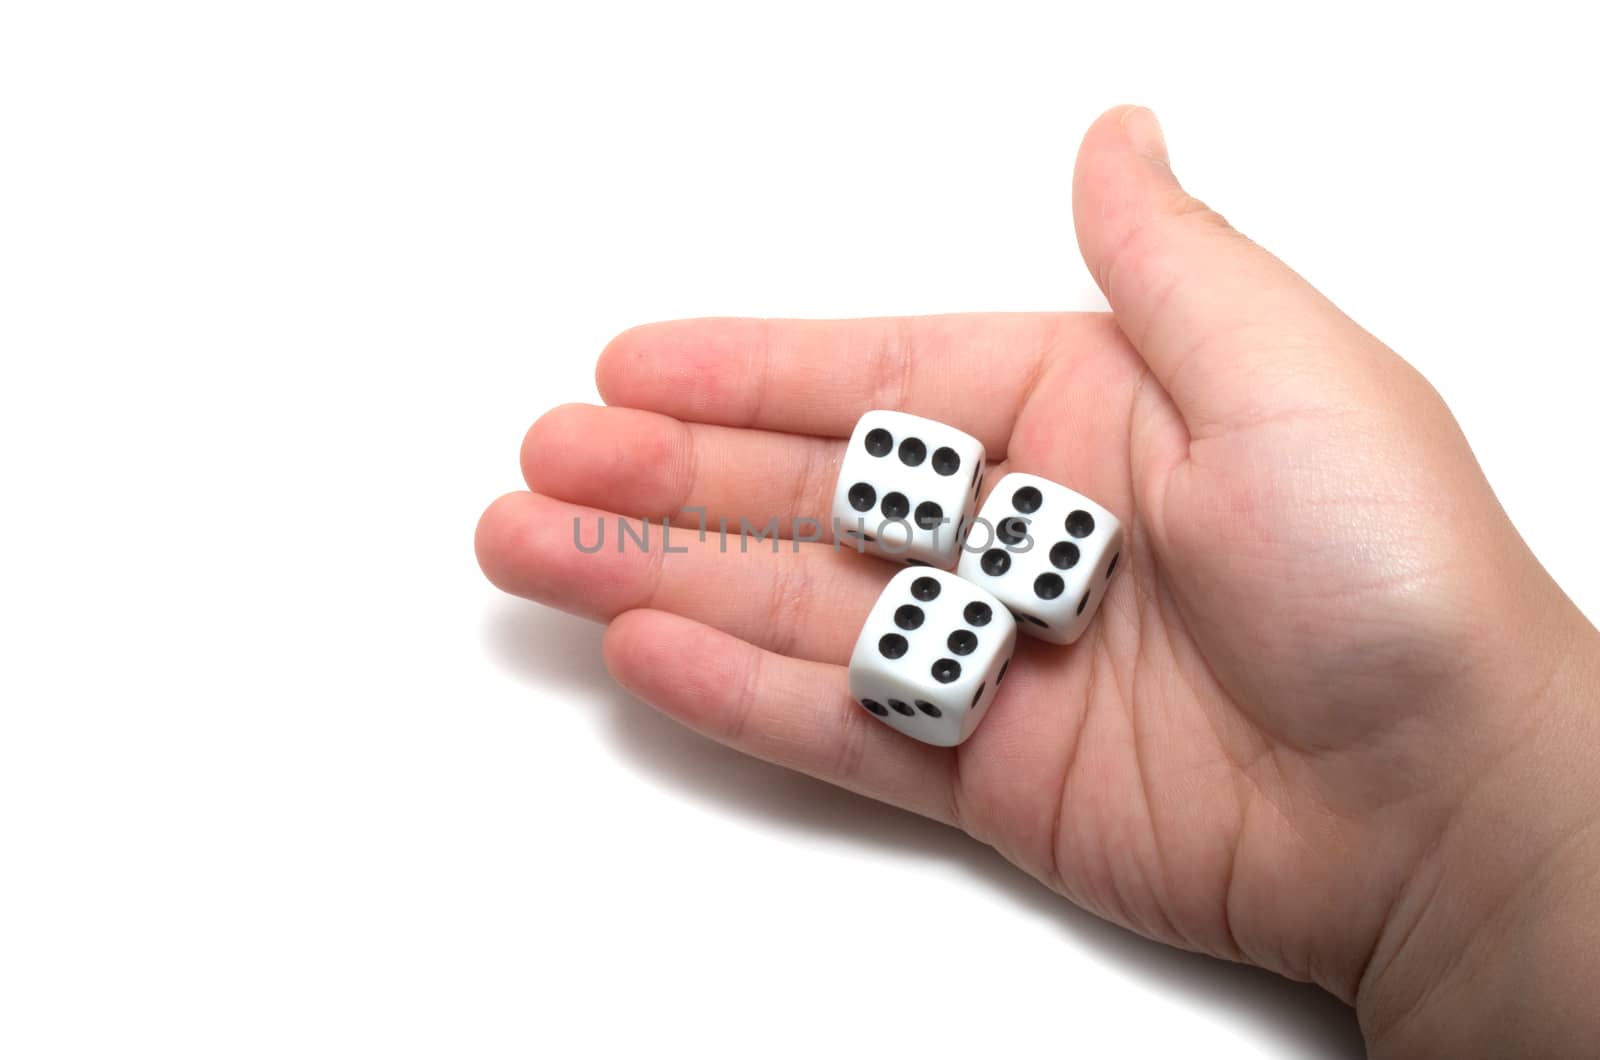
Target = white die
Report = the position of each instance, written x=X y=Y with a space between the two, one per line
x=907 y=488
x=1045 y=551
x=931 y=656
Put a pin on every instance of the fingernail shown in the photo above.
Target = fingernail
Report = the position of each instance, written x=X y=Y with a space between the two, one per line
x=1144 y=133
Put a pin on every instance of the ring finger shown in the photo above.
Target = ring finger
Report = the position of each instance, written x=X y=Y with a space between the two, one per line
x=801 y=599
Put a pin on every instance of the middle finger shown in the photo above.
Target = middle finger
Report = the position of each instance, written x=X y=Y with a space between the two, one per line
x=649 y=465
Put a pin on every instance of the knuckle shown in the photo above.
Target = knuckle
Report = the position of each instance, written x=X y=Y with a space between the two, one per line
x=793 y=595
x=653 y=579
x=736 y=723
x=1186 y=207
x=685 y=461
x=807 y=499
x=891 y=364
x=1147 y=250
x=852 y=750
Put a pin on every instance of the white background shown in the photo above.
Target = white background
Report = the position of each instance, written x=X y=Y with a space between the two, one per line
x=281 y=287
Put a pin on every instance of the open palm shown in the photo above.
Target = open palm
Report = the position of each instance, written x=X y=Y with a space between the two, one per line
x=1245 y=754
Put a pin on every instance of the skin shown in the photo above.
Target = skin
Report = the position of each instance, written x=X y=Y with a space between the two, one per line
x=1333 y=718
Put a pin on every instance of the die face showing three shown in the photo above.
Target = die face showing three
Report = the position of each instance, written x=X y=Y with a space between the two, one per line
x=932 y=655
x=1046 y=552
x=907 y=488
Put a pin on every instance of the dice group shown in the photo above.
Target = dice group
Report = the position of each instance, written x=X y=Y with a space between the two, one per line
x=1037 y=558
x=932 y=655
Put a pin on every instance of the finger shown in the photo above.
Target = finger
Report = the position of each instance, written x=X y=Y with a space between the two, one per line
x=790 y=712
x=805 y=600
x=818 y=376
x=1229 y=330
x=652 y=466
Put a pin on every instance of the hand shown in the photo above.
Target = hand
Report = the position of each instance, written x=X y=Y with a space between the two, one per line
x=1316 y=726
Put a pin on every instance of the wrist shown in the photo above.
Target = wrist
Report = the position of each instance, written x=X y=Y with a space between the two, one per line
x=1490 y=943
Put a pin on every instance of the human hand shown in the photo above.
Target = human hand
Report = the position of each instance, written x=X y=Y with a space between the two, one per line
x=1331 y=719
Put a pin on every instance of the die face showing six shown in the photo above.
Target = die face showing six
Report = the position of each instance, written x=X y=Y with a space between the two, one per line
x=1055 y=584
x=907 y=488
x=932 y=655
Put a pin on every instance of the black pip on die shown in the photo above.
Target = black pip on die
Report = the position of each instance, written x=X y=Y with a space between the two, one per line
x=1045 y=551
x=932 y=655
x=907 y=488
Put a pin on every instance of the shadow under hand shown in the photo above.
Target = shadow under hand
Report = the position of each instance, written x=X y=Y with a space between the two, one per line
x=564 y=652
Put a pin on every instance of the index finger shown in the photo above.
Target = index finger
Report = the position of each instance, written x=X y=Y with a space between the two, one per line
x=817 y=377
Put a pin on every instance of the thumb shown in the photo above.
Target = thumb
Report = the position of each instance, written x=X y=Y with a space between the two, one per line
x=1231 y=332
